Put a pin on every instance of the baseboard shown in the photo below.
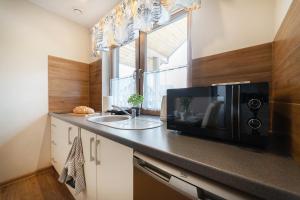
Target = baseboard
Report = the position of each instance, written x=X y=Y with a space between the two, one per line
x=26 y=176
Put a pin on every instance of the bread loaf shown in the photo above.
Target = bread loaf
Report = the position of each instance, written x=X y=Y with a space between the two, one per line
x=83 y=110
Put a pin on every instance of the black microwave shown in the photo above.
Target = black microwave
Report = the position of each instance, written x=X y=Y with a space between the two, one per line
x=237 y=113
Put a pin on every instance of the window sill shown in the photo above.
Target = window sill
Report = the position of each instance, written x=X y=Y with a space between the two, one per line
x=150 y=112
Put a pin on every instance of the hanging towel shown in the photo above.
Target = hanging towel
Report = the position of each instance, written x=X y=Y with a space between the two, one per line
x=73 y=173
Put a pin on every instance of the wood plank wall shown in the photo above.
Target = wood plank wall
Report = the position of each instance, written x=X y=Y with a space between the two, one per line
x=249 y=64
x=286 y=79
x=96 y=85
x=68 y=84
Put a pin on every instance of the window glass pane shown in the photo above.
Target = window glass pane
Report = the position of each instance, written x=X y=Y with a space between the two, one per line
x=157 y=83
x=127 y=60
x=167 y=46
x=123 y=84
x=166 y=62
x=121 y=89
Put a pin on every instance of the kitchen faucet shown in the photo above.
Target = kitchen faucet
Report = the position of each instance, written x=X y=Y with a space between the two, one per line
x=124 y=111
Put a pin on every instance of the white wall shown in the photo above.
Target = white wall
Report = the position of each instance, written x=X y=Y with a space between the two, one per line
x=28 y=34
x=225 y=25
x=281 y=8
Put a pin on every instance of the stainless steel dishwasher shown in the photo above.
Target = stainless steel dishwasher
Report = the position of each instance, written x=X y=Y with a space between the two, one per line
x=156 y=180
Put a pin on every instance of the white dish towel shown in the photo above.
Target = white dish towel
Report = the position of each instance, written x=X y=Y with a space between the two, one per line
x=73 y=173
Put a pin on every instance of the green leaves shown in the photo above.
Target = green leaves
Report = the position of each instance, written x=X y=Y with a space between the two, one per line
x=136 y=100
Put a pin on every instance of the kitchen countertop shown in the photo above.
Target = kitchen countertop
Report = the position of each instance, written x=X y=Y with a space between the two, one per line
x=260 y=173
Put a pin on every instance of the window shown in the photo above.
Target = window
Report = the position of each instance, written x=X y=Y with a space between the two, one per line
x=123 y=83
x=164 y=61
x=167 y=61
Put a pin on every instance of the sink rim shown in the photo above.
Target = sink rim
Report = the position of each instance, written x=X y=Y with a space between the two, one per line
x=117 y=117
x=120 y=123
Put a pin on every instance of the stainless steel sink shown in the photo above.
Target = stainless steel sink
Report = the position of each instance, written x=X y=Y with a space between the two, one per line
x=108 y=118
x=125 y=122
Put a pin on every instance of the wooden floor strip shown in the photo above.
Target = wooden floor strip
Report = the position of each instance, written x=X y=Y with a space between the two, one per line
x=26 y=176
x=41 y=186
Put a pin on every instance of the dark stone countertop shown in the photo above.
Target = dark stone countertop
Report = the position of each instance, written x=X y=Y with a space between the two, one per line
x=262 y=174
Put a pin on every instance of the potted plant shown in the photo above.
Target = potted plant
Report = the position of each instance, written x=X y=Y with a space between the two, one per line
x=136 y=101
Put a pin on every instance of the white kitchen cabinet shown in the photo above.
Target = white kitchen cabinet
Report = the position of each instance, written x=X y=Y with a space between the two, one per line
x=89 y=153
x=108 y=168
x=53 y=147
x=56 y=153
x=114 y=170
x=108 y=165
x=62 y=136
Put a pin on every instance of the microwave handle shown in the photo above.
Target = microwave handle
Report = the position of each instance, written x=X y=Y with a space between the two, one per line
x=186 y=189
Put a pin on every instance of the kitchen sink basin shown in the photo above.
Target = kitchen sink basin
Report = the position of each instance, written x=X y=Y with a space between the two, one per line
x=125 y=122
x=108 y=118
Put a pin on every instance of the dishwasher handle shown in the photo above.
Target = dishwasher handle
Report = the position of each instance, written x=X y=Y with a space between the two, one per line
x=185 y=188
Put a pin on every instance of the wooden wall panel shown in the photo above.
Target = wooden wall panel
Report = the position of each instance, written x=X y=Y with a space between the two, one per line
x=249 y=64
x=68 y=84
x=286 y=71
x=96 y=85
x=286 y=126
x=286 y=79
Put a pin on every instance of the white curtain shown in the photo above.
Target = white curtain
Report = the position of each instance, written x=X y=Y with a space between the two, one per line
x=156 y=84
x=123 y=23
x=121 y=89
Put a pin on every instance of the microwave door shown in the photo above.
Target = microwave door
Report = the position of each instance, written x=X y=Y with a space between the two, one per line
x=220 y=113
x=202 y=111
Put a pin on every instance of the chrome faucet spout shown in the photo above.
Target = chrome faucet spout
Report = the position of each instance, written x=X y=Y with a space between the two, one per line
x=121 y=109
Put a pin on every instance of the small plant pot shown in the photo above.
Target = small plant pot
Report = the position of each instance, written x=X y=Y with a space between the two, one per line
x=138 y=110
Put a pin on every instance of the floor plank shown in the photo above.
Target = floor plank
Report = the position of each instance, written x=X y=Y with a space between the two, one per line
x=40 y=186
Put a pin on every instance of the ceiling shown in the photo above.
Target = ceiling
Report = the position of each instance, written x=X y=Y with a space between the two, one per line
x=93 y=10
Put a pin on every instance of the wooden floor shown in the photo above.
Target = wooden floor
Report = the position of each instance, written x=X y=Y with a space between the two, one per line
x=42 y=185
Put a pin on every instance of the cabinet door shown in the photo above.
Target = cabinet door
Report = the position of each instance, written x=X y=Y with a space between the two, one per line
x=69 y=133
x=53 y=146
x=56 y=158
x=89 y=153
x=114 y=170
x=62 y=136
x=57 y=155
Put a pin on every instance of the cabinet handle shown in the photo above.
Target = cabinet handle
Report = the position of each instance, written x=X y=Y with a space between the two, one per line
x=52 y=142
x=97 y=144
x=53 y=125
x=91 y=147
x=69 y=133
